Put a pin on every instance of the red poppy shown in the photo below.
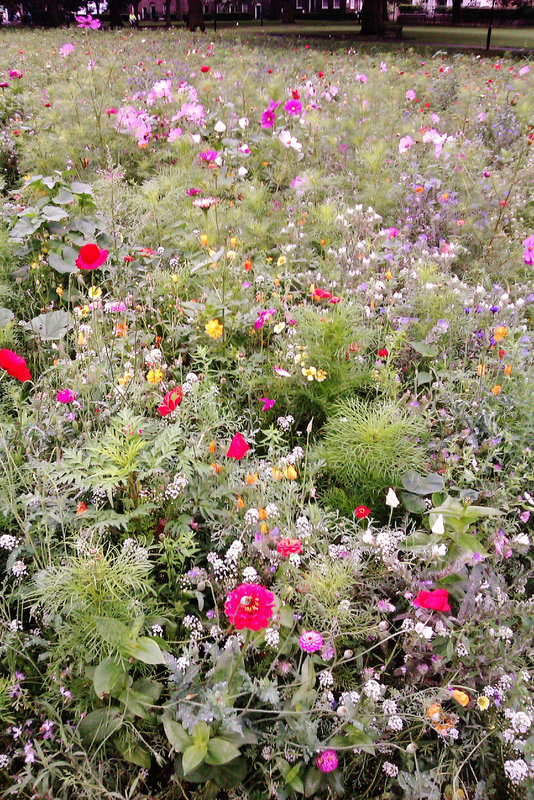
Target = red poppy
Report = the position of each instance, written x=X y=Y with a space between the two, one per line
x=238 y=447
x=320 y=74
x=14 y=365
x=204 y=68
x=170 y=401
x=288 y=546
x=362 y=512
x=296 y=95
x=249 y=606
x=91 y=257
x=383 y=353
x=322 y=294
x=438 y=600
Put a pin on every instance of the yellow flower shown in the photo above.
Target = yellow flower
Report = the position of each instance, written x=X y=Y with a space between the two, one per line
x=264 y=528
x=389 y=275
x=125 y=378
x=461 y=697
x=233 y=242
x=60 y=290
x=204 y=239
x=290 y=473
x=94 y=292
x=481 y=369
x=174 y=278
x=154 y=375
x=483 y=702
x=277 y=474
x=309 y=372
x=279 y=327
x=281 y=261
x=500 y=332
x=496 y=389
x=320 y=375
x=214 y=328
x=81 y=339
x=252 y=479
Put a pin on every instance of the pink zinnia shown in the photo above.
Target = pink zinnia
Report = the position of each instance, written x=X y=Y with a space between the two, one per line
x=327 y=761
x=310 y=642
x=65 y=396
x=249 y=606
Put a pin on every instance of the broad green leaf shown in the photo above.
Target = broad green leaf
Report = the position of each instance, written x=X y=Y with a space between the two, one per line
x=108 y=675
x=151 y=688
x=176 y=735
x=77 y=187
x=5 y=317
x=287 y=617
x=145 y=650
x=100 y=724
x=111 y=630
x=424 y=349
x=193 y=756
x=133 y=752
x=313 y=781
x=50 y=326
x=64 y=263
x=221 y=751
x=201 y=733
x=54 y=213
x=423 y=378
x=136 y=703
x=413 y=503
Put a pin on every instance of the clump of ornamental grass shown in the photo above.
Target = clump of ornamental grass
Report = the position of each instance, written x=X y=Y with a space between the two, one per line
x=92 y=581
x=370 y=446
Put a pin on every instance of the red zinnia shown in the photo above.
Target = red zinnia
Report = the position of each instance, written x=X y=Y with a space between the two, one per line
x=362 y=512
x=249 y=606
x=204 y=68
x=438 y=600
x=170 y=401
x=288 y=546
x=91 y=257
x=383 y=353
x=14 y=365
x=238 y=447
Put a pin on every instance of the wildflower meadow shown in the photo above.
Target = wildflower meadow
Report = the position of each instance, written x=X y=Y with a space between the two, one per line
x=266 y=419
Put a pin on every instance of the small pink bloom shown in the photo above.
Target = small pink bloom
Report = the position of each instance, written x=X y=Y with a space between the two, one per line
x=327 y=761
x=65 y=396
x=267 y=404
x=310 y=641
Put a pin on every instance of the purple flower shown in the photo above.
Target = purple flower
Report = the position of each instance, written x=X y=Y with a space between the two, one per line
x=528 y=255
x=29 y=753
x=267 y=119
x=310 y=641
x=327 y=761
x=293 y=107
x=87 y=22
x=525 y=516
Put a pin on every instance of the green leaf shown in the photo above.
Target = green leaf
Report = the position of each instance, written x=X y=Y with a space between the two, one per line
x=422 y=484
x=145 y=650
x=470 y=543
x=287 y=617
x=108 y=675
x=221 y=751
x=77 y=187
x=133 y=752
x=64 y=263
x=201 y=733
x=111 y=630
x=314 y=779
x=423 y=378
x=50 y=326
x=136 y=703
x=413 y=503
x=176 y=735
x=424 y=349
x=193 y=756
x=54 y=213
x=5 y=317
x=25 y=227
x=100 y=724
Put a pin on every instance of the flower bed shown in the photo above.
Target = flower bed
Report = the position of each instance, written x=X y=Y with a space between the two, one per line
x=265 y=378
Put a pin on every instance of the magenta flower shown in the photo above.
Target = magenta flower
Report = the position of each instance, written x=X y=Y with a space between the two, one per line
x=267 y=404
x=192 y=192
x=263 y=316
x=293 y=107
x=208 y=156
x=327 y=761
x=268 y=118
x=15 y=73
x=410 y=95
x=87 y=22
x=66 y=49
x=65 y=396
x=405 y=143
x=310 y=642
x=528 y=255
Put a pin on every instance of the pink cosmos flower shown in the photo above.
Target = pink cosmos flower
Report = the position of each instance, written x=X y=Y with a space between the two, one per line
x=267 y=403
x=66 y=49
x=310 y=641
x=65 y=396
x=238 y=447
x=208 y=156
x=410 y=95
x=283 y=373
x=327 y=761
x=263 y=316
x=88 y=22
x=524 y=70
x=249 y=606
x=405 y=143
x=268 y=118
x=193 y=192
x=293 y=107
x=528 y=255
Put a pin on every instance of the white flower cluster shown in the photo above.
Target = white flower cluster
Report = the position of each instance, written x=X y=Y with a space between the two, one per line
x=390 y=769
x=234 y=551
x=304 y=528
x=19 y=569
x=252 y=516
x=295 y=456
x=8 y=542
x=285 y=423
x=373 y=690
x=176 y=488
x=189 y=383
x=516 y=771
x=217 y=564
x=272 y=510
x=272 y=637
x=194 y=625
x=250 y=575
x=131 y=546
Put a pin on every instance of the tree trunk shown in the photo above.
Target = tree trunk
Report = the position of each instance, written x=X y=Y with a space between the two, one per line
x=372 y=22
x=196 y=16
x=456 y=12
x=168 y=14
x=52 y=15
x=115 y=19
x=385 y=15
x=288 y=16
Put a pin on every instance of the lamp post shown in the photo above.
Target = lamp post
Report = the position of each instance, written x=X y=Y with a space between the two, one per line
x=488 y=40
